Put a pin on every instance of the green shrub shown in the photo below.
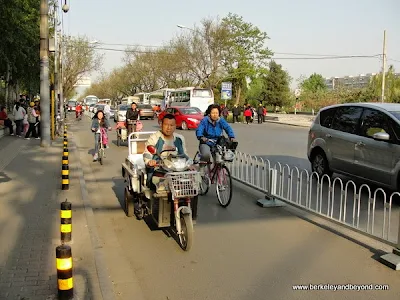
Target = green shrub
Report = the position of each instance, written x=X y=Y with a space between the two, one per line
x=230 y=118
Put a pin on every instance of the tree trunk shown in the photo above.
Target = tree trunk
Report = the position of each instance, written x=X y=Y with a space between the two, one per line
x=238 y=92
x=7 y=88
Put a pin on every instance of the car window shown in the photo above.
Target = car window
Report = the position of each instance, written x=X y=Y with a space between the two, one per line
x=145 y=106
x=170 y=110
x=373 y=121
x=347 y=118
x=190 y=111
x=326 y=117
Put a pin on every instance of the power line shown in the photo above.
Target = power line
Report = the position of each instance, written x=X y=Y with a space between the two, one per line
x=325 y=56
x=280 y=58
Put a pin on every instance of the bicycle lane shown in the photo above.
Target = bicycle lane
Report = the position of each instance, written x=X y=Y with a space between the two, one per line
x=242 y=252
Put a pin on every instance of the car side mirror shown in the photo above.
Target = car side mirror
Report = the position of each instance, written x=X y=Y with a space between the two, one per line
x=381 y=136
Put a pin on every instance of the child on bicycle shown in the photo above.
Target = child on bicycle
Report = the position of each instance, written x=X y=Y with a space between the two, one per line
x=212 y=127
x=99 y=126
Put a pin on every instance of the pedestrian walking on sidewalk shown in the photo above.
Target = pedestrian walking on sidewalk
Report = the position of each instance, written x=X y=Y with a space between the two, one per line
x=32 y=122
x=19 y=112
x=260 y=113
x=248 y=113
x=235 y=113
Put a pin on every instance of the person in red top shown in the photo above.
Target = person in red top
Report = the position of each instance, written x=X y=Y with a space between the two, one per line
x=248 y=114
x=78 y=110
x=6 y=121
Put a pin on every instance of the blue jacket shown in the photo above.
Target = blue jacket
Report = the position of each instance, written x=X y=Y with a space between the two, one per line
x=208 y=130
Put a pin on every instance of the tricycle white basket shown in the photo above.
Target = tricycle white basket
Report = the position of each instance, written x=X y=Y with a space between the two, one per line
x=184 y=184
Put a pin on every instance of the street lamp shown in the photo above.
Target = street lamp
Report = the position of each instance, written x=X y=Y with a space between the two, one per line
x=185 y=27
x=65 y=7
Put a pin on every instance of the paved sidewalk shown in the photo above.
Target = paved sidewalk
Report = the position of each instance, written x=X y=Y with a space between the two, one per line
x=30 y=196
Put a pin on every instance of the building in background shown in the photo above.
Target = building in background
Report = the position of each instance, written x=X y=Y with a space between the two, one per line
x=82 y=84
x=351 y=82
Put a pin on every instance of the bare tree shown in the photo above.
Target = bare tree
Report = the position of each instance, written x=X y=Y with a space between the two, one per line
x=80 y=58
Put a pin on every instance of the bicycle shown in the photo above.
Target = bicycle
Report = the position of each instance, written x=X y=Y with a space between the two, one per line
x=101 y=151
x=219 y=174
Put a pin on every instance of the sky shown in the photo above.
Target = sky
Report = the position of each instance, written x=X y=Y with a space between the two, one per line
x=340 y=27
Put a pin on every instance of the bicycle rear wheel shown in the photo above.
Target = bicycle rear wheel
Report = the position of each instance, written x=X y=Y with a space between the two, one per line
x=205 y=179
x=224 y=186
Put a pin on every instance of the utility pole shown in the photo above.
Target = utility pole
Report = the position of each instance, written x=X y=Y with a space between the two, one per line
x=56 y=72
x=383 y=66
x=44 y=74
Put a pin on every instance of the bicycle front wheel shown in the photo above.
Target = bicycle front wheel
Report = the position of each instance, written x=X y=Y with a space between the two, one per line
x=224 y=186
x=101 y=155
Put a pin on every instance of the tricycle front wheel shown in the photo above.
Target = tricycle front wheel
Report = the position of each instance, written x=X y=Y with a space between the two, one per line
x=186 y=237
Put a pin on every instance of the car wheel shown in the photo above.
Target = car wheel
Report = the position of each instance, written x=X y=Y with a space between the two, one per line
x=184 y=126
x=320 y=164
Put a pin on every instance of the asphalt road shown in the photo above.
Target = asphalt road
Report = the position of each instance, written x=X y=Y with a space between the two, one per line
x=242 y=252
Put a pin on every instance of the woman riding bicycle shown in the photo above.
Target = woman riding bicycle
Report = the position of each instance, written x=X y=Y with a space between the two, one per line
x=99 y=126
x=211 y=128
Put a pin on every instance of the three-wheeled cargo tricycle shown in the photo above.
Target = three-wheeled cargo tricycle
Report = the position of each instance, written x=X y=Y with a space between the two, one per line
x=125 y=128
x=171 y=207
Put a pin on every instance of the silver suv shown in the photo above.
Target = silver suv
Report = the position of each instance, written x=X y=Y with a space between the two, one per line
x=361 y=140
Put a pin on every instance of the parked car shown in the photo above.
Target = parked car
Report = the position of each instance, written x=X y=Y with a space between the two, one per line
x=186 y=117
x=120 y=113
x=72 y=105
x=360 y=140
x=146 y=111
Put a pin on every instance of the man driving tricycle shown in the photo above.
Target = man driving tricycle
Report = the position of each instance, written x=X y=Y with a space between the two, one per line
x=168 y=185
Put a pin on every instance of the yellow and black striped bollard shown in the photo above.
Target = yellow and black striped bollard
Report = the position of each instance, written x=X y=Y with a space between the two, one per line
x=65 y=143
x=66 y=221
x=65 y=171
x=65 y=281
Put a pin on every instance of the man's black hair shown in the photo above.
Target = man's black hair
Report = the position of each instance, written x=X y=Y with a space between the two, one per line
x=133 y=103
x=169 y=116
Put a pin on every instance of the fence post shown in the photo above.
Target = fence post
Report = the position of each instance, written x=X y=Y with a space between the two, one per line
x=270 y=199
x=392 y=260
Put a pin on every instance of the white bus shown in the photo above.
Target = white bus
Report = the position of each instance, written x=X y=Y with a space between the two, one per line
x=144 y=97
x=160 y=97
x=128 y=100
x=192 y=97
x=89 y=100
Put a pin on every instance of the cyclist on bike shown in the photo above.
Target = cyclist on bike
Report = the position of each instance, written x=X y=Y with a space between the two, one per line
x=99 y=122
x=133 y=113
x=211 y=128
x=78 y=110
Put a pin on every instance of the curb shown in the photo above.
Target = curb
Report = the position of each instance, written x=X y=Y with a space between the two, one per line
x=289 y=124
x=105 y=284
x=2 y=132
